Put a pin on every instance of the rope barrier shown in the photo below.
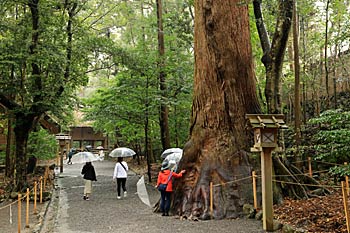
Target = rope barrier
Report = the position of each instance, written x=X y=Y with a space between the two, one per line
x=27 y=197
x=316 y=161
x=12 y=203
x=322 y=171
x=304 y=174
x=330 y=163
x=302 y=161
x=312 y=185
x=233 y=181
x=279 y=181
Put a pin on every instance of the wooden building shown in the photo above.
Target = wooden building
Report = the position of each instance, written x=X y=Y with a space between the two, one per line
x=82 y=136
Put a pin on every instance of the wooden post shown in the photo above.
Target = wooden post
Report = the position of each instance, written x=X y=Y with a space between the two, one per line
x=46 y=175
x=35 y=196
x=347 y=182
x=41 y=189
x=310 y=167
x=19 y=212
x=211 y=199
x=266 y=183
x=57 y=156
x=27 y=209
x=345 y=200
x=266 y=128
x=61 y=159
x=254 y=190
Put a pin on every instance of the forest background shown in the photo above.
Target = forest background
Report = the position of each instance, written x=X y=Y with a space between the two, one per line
x=134 y=75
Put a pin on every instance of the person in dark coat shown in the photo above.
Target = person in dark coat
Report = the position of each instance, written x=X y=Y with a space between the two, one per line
x=89 y=175
x=70 y=155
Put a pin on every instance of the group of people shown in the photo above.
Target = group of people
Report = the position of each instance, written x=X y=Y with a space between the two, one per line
x=119 y=175
x=165 y=178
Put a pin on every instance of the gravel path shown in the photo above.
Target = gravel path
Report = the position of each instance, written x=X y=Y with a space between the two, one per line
x=68 y=212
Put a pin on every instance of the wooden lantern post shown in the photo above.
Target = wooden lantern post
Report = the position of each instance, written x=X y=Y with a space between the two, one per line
x=63 y=140
x=266 y=128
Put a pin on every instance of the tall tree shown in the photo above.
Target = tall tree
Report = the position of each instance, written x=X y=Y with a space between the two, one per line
x=164 y=111
x=326 y=54
x=297 y=80
x=273 y=61
x=43 y=75
x=224 y=91
x=274 y=53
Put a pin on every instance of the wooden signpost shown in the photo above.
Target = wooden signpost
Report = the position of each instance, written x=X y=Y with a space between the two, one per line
x=266 y=128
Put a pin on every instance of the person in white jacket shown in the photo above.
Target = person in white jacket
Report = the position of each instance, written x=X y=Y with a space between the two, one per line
x=120 y=174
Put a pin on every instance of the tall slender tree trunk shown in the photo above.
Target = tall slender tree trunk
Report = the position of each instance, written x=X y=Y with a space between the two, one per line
x=164 y=111
x=224 y=91
x=305 y=87
x=148 y=148
x=297 y=107
x=326 y=56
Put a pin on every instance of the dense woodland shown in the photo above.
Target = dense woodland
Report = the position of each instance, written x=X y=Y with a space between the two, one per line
x=155 y=74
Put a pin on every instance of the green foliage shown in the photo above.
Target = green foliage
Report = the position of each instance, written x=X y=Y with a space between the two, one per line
x=332 y=139
x=340 y=171
x=42 y=145
x=127 y=95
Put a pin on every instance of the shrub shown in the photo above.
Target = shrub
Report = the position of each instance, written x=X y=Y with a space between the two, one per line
x=42 y=145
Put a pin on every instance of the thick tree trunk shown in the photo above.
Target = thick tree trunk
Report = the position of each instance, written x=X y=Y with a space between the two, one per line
x=224 y=91
x=9 y=153
x=23 y=126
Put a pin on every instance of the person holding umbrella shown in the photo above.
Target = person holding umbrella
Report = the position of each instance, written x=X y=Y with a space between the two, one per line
x=165 y=180
x=89 y=175
x=70 y=155
x=120 y=174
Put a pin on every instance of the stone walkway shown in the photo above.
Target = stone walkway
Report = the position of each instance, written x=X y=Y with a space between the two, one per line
x=104 y=213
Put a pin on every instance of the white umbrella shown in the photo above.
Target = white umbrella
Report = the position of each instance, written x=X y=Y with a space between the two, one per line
x=83 y=157
x=99 y=148
x=142 y=191
x=171 y=151
x=122 y=152
x=174 y=158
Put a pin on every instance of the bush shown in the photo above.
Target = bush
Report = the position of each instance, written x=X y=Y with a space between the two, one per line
x=332 y=141
x=42 y=145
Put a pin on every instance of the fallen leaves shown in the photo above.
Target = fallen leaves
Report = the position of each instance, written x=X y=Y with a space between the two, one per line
x=319 y=215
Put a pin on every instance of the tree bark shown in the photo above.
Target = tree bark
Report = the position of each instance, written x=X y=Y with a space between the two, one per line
x=224 y=91
x=297 y=125
x=164 y=111
x=326 y=55
x=23 y=126
x=9 y=172
x=273 y=56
